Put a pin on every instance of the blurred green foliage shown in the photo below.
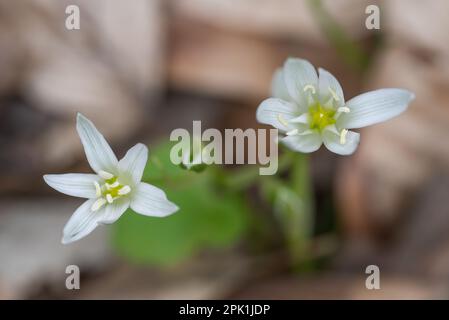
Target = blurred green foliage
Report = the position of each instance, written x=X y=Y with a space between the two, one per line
x=291 y=199
x=349 y=51
x=209 y=215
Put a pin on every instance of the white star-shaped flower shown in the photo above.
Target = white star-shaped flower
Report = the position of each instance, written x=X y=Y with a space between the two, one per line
x=310 y=109
x=115 y=186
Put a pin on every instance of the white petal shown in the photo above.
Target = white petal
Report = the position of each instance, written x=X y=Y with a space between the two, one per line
x=134 y=162
x=98 y=152
x=74 y=184
x=299 y=73
x=112 y=212
x=151 y=201
x=305 y=143
x=329 y=88
x=278 y=86
x=332 y=141
x=277 y=113
x=82 y=222
x=374 y=107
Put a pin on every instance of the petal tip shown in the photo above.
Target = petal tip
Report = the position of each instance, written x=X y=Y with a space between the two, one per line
x=173 y=208
x=48 y=180
x=141 y=145
x=321 y=70
x=82 y=120
x=66 y=240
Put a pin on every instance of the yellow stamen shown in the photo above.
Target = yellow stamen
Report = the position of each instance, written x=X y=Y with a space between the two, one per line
x=105 y=175
x=98 y=204
x=343 y=134
x=292 y=132
x=113 y=185
x=334 y=94
x=309 y=87
x=97 y=189
x=124 y=190
x=282 y=120
x=109 y=198
x=344 y=109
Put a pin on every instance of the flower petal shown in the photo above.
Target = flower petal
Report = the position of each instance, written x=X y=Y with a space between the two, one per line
x=277 y=113
x=374 y=107
x=305 y=142
x=112 y=212
x=299 y=73
x=82 y=222
x=329 y=88
x=332 y=141
x=134 y=162
x=73 y=184
x=98 y=152
x=278 y=86
x=151 y=201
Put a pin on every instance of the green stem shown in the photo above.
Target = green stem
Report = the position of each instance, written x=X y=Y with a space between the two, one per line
x=241 y=179
x=350 y=52
x=303 y=219
x=293 y=207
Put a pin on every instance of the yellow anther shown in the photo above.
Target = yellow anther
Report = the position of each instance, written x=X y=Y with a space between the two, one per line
x=334 y=94
x=343 y=134
x=97 y=189
x=98 y=204
x=344 y=109
x=113 y=185
x=124 y=190
x=109 y=198
x=310 y=87
x=105 y=175
x=292 y=132
x=282 y=120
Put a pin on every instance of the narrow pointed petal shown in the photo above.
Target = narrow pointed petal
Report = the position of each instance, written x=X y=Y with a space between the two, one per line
x=299 y=73
x=82 y=222
x=374 y=107
x=333 y=141
x=112 y=212
x=305 y=143
x=330 y=88
x=74 y=184
x=151 y=201
x=134 y=162
x=277 y=113
x=98 y=152
x=278 y=86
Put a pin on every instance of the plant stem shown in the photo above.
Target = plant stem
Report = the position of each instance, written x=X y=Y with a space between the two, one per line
x=350 y=52
x=303 y=218
x=243 y=178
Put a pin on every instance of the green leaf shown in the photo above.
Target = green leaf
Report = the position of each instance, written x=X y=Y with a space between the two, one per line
x=208 y=217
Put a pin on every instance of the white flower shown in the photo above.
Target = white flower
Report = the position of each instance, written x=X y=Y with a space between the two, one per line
x=310 y=109
x=114 y=188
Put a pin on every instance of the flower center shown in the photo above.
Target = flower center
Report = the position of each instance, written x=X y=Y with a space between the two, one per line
x=320 y=117
x=108 y=191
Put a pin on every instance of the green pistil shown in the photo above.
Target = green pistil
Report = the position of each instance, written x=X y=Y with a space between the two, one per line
x=320 y=117
x=112 y=180
x=112 y=191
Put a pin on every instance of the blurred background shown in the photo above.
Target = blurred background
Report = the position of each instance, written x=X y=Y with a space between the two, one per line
x=141 y=70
